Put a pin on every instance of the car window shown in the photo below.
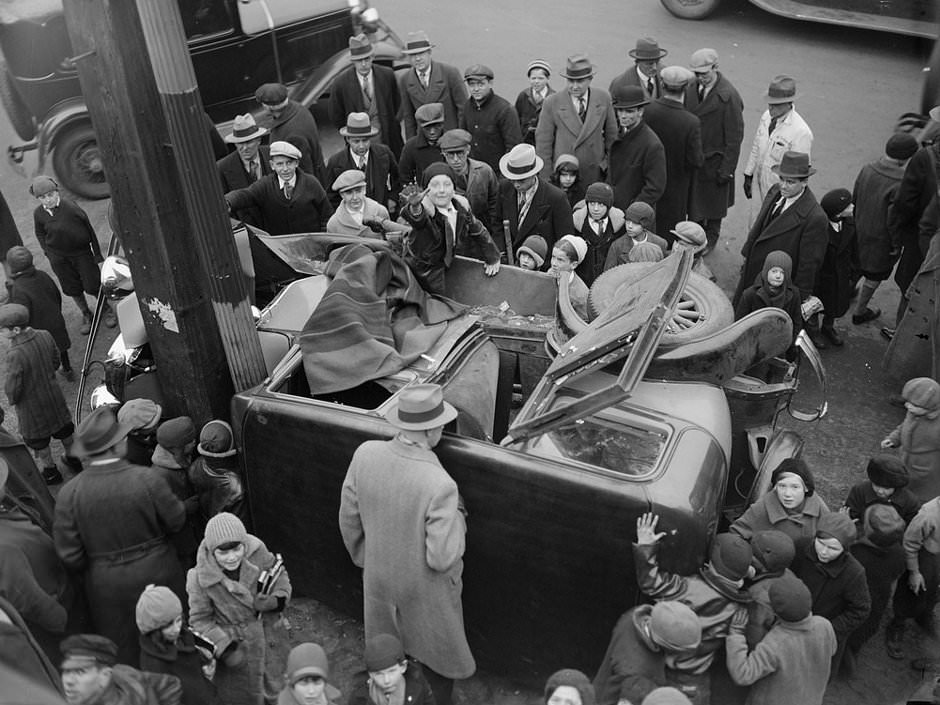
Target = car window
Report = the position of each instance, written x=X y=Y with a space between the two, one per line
x=205 y=17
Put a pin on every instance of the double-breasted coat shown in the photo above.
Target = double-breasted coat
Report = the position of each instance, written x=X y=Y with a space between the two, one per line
x=445 y=86
x=549 y=215
x=560 y=131
x=346 y=97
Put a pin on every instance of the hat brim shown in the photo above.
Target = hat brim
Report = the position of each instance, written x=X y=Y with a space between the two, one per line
x=362 y=54
x=512 y=176
x=626 y=106
x=257 y=134
x=701 y=69
x=581 y=77
x=209 y=454
x=448 y=414
x=80 y=449
x=791 y=175
x=409 y=52
x=779 y=100
x=371 y=133
x=635 y=55
x=539 y=260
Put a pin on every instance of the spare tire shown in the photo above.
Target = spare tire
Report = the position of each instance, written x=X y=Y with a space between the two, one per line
x=703 y=307
x=691 y=9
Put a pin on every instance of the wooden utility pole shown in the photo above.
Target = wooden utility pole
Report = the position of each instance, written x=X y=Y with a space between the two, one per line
x=140 y=87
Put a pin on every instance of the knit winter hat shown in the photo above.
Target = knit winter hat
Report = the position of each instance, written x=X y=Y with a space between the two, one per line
x=176 y=433
x=578 y=243
x=731 y=556
x=569 y=162
x=798 y=467
x=310 y=659
x=437 y=169
x=157 y=606
x=645 y=252
x=777 y=258
x=640 y=213
x=139 y=414
x=383 y=651
x=887 y=471
x=599 y=192
x=773 y=549
x=835 y=202
x=536 y=247
x=923 y=392
x=675 y=626
x=901 y=145
x=667 y=695
x=573 y=678
x=882 y=525
x=19 y=259
x=790 y=599
x=216 y=440
x=838 y=526
x=224 y=528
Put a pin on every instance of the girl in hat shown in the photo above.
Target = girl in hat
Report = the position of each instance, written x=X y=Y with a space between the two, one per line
x=168 y=646
x=308 y=671
x=918 y=436
x=529 y=101
x=566 y=176
x=600 y=224
x=532 y=254
x=214 y=475
x=176 y=441
x=773 y=288
x=569 y=687
x=566 y=256
x=245 y=623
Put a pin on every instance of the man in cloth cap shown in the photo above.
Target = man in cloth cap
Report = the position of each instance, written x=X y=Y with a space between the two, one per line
x=645 y=71
x=528 y=204
x=422 y=150
x=637 y=158
x=248 y=163
x=474 y=179
x=681 y=135
x=720 y=111
x=142 y=417
x=790 y=220
x=113 y=524
x=393 y=677
x=292 y=122
x=357 y=214
x=402 y=520
x=781 y=129
x=366 y=87
x=289 y=200
x=579 y=120
x=429 y=82
x=91 y=675
x=489 y=119
x=363 y=153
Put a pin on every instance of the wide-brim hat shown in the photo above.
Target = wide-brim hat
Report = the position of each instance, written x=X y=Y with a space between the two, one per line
x=781 y=90
x=647 y=49
x=421 y=407
x=360 y=47
x=577 y=67
x=793 y=165
x=358 y=125
x=520 y=162
x=97 y=432
x=417 y=43
x=244 y=129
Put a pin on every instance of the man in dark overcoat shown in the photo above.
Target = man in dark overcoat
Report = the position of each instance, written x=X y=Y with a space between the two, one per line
x=247 y=163
x=720 y=111
x=528 y=203
x=422 y=150
x=645 y=70
x=429 y=82
x=489 y=118
x=637 y=158
x=475 y=179
x=289 y=200
x=681 y=134
x=363 y=153
x=791 y=220
x=366 y=87
x=294 y=123
x=112 y=525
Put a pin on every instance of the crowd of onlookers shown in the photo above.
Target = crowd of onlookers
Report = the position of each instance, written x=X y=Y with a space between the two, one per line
x=148 y=563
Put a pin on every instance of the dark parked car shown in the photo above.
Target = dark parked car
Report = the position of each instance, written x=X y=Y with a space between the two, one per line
x=234 y=45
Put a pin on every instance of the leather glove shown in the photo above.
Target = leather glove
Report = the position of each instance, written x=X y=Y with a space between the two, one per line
x=265 y=603
x=748 y=181
x=375 y=226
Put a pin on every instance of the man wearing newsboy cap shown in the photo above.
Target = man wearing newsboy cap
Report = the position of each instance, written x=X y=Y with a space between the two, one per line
x=402 y=520
x=429 y=82
x=489 y=118
x=112 y=526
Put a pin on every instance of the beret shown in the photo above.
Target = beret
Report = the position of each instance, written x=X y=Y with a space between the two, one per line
x=901 y=145
x=790 y=599
x=437 y=169
x=599 y=192
x=887 y=471
x=795 y=466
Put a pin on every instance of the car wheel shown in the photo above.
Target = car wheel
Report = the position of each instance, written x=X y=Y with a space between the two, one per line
x=77 y=161
x=22 y=120
x=691 y=9
x=703 y=307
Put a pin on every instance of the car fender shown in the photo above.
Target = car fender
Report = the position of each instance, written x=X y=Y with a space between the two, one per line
x=319 y=81
x=69 y=112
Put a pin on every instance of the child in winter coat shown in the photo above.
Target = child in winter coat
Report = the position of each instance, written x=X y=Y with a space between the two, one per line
x=773 y=288
x=566 y=177
x=691 y=236
x=600 y=224
x=835 y=281
x=392 y=676
x=531 y=255
x=245 y=623
x=167 y=646
x=306 y=678
x=176 y=440
x=566 y=255
x=639 y=221
x=214 y=474
x=918 y=437
x=886 y=484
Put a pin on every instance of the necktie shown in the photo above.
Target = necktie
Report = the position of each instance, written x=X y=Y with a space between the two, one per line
x=252 y=171
x=523 y=208
x=288 y=190
x=448 y=238
x=701 y=92
x=367 y=92
x=537 y=97
x=582 y=108
x=650 y=88
x=778 y=209
x=424 y=78
x=772 y=126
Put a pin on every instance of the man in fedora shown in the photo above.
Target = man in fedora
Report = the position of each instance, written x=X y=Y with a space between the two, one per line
x=292 y=122
x=528 y=204
x=422 y=150
x=780 y=130
x=637 y=158
x=490 y=119
x=429 y=82
x=720 y=111
x=368 y=88
x=247 y=164
x=365 y=154
x=474 y=179
x=645 y=71
x=402 y=521
x=289 y=200
x=112 y=525
x=579 y=120
x=790 y=220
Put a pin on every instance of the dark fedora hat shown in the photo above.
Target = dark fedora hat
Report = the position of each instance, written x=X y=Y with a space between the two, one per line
x=577 y=67
x=793 y=165
x=628 y=97
x=647 y=49
x=781 y=90
x=97 y=432
x=421 y=408
x=360 y=47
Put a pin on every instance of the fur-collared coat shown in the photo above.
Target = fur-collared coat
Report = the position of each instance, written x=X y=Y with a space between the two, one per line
x=560 y=131
x=223 y=611
x=767 y=513
x=342 y=220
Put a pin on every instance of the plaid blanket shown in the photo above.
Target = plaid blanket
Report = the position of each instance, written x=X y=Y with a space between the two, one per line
x=373 y=320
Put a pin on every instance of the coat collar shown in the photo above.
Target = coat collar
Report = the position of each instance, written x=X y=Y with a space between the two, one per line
x=345 y=218
x=209 y=573
x=776 y=513
x=797 y=212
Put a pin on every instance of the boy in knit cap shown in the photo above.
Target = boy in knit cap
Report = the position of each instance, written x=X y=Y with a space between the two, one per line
x=307 y=676
x=176 y=440
x=773 y=554
x=886 y=484
x=639 y=222
x=533 y=252
x=167 y=646
x=569 y=687
x=214 y=475
x=642 y=640
x=790 y=664
x=142 y=417
x=393 y=677
x=600 y=224
x=774 y=288
x=918 y=437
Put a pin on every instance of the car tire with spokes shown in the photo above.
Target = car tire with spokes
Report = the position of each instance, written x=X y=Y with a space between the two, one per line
x=691 y=9
x=77 y=161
